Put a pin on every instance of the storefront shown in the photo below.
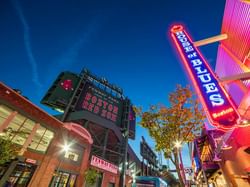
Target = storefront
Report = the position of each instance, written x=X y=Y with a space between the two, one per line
x=108 y=172
x=43 y=159
x=21 y=174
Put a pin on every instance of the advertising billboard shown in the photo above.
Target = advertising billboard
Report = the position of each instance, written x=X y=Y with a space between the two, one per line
x=60 y=93
x=102 y=164
x=218 y=106
x=101 y=103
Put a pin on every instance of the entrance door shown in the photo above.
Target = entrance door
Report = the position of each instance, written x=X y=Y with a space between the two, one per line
x=63 y=179
x=22 y=174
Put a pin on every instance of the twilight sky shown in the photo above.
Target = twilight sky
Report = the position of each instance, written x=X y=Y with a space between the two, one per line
x=125 y=41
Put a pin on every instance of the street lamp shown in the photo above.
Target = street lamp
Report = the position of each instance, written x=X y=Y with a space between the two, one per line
x=65 y=149
x=178 y=145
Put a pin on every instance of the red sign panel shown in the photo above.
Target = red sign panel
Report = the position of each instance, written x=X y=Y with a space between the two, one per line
x=102 y=164
x=100 y=103
x=218 y=106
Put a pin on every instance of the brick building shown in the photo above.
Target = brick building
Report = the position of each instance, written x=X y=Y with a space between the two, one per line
x=42 y=160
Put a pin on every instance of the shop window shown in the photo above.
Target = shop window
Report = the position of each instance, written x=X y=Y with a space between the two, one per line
x=21 y=175
x=21 y=127
x=63 y=179
x=18 y=130
x=71 y=155
x=23 y=131
x=41 y=140
x=4 y=113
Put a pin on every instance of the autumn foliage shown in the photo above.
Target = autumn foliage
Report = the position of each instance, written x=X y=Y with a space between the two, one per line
x=180 y=121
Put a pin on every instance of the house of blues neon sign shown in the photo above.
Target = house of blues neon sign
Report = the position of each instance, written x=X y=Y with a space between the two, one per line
x=218 y=106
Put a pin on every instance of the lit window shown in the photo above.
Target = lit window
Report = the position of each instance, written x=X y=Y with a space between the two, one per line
x=41 y=140
x=4 y=113
x=72 y=156
x=17 y=132
x=21 y=127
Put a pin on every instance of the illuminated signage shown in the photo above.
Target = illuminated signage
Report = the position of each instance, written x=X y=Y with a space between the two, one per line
x=218 y=106
x=102 y=164
x=28 y=160
x=100 y=103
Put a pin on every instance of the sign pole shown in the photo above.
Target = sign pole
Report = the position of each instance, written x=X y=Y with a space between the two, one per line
x=126 y=136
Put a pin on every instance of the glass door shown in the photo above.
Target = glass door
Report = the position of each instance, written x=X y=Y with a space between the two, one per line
x=21 y=175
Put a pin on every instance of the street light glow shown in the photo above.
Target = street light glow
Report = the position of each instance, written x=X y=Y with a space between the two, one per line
x=177 y=144
x=66 y=147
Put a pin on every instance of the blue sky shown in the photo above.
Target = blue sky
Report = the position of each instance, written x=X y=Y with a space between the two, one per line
x=125 y=41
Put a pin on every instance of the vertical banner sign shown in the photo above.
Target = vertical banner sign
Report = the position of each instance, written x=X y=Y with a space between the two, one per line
x=220 y=110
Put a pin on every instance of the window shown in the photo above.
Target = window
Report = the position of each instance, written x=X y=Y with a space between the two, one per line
x=63 y=179
x=18 y=133
x=21 y=127
x=41 y=140
x=4 y=113
x=21 y=175
x=24 y=130
x=72 y=156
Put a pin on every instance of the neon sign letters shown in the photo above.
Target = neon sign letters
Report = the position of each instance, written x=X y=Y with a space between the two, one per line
x=218 y=106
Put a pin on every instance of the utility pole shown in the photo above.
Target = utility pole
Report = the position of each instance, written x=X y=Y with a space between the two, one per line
x=125 y=141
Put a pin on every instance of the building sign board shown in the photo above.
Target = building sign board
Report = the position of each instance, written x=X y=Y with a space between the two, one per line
x=59 y=94
x=100 y=103
x=31 y=161
x=102 y=164
x=219 y=108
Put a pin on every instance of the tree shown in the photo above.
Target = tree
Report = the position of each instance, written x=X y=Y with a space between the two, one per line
x=8 y=150
x=181 y=121
x=91 y=176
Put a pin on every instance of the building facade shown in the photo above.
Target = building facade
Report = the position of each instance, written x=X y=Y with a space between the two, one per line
x=233 y=67
x=41 y=138
x=221 y=154
x=102 y=109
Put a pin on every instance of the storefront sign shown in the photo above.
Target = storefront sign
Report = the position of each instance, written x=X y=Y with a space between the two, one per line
x=219 y=108
x=31 y=161
x=102 y=164
x=103 y=104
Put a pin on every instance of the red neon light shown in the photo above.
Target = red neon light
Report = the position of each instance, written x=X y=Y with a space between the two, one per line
x=211 y=115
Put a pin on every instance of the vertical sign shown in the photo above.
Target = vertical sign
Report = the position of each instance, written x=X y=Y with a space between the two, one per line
x=220 y=110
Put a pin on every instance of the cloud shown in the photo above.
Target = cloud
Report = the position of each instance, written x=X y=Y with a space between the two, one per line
x=27 y=42
x=69 y=56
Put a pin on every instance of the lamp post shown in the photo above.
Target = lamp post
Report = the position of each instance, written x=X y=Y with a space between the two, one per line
x=65 y=149
x=178 y=146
